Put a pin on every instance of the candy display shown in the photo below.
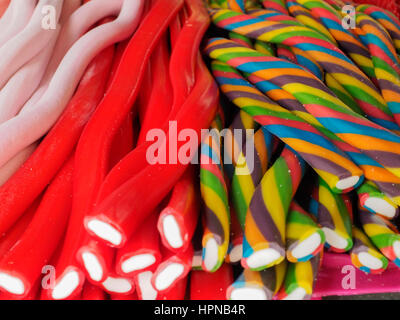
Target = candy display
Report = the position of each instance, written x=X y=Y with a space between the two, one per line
x=199 y=149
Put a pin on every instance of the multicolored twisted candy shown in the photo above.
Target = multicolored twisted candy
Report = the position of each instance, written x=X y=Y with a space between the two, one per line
x=257 y=285
x=372 y=199
x=333 y=216
x=304 y=239
x=322 y=155
x=251 y=167
x=388 y=20
x=216 y=206
x=299 y=279
x=305 y=17
x=385 y=61
x=234 y=139
x=273 y=15
x=277 y=5
x=382 y=234
x=378 y=143
x=244 y=41
x=264 y=47
x=264 y=243
x=346 y=39
x=328 y=56
x=387 y=182
x=364 y=255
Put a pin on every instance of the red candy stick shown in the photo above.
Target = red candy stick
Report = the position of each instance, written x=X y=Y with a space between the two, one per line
x=142 y=251
x=16 y=231
x=178 y=220
x=112 y=219
x=92 y=292
x=117 y=285
x=211 y=286
x=35 y=174
x=175 y=266
x=158 y=108
x=21 y=267
x=182 y=73
x=69 y=277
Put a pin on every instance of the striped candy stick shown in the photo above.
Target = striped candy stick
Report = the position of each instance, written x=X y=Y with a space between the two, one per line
x=250 y=169
x=265 y=228
x=234 y=138
x=327 y=160
x=277 y=5
x=306 y=18
x=382 y=234
x=238 y=38
x=342 y=93
x=385 y=61
x=373 y=140
x=235 y=249
x=299 y=280
x=216 y=207
x=264 y=47
x=388 y=20
x=325 y=53
x=372 y=199
x=273 y=15
x=257 y=285
x=333 y=216
x=344 y=37
x=336 y=4
x=387 y=182
x=304 y=239
x=364 y=255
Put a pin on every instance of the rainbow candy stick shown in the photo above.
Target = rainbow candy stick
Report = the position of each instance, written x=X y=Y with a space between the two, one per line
x=373 y=140
x=306 y=18
x=333 y=216
x=342 y=93
x=216 y=207
x=244 y=41
x=275 y=16
x=382 y=234
x=344 y=37
x=264 y=47
x=257 y=285
x=246 y=177
x=372 y=199
x=234 y=139
x=336 y=4
x=277 y=5
x=236 y=5
x=364 y=256
x=235 y=250
x=304 y=239
x=325 y=53
x=388 y=20
x=385 y=60
x=299 y=280
x=325 y=158
x=385 y=180
x=265 y=228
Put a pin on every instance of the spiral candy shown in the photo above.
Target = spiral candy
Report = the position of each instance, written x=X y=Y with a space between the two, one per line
x=265 y=227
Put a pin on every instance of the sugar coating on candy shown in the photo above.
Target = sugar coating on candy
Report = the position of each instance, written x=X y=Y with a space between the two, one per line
x=172 y=232
x=117 y=285
x=92 y=265
x=168 y=275
x=144 y=286
x=66 y=286
x=12 y=284
x=105 y=231
x=137 y=262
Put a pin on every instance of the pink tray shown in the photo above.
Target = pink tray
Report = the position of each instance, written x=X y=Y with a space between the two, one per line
x=330 y=278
